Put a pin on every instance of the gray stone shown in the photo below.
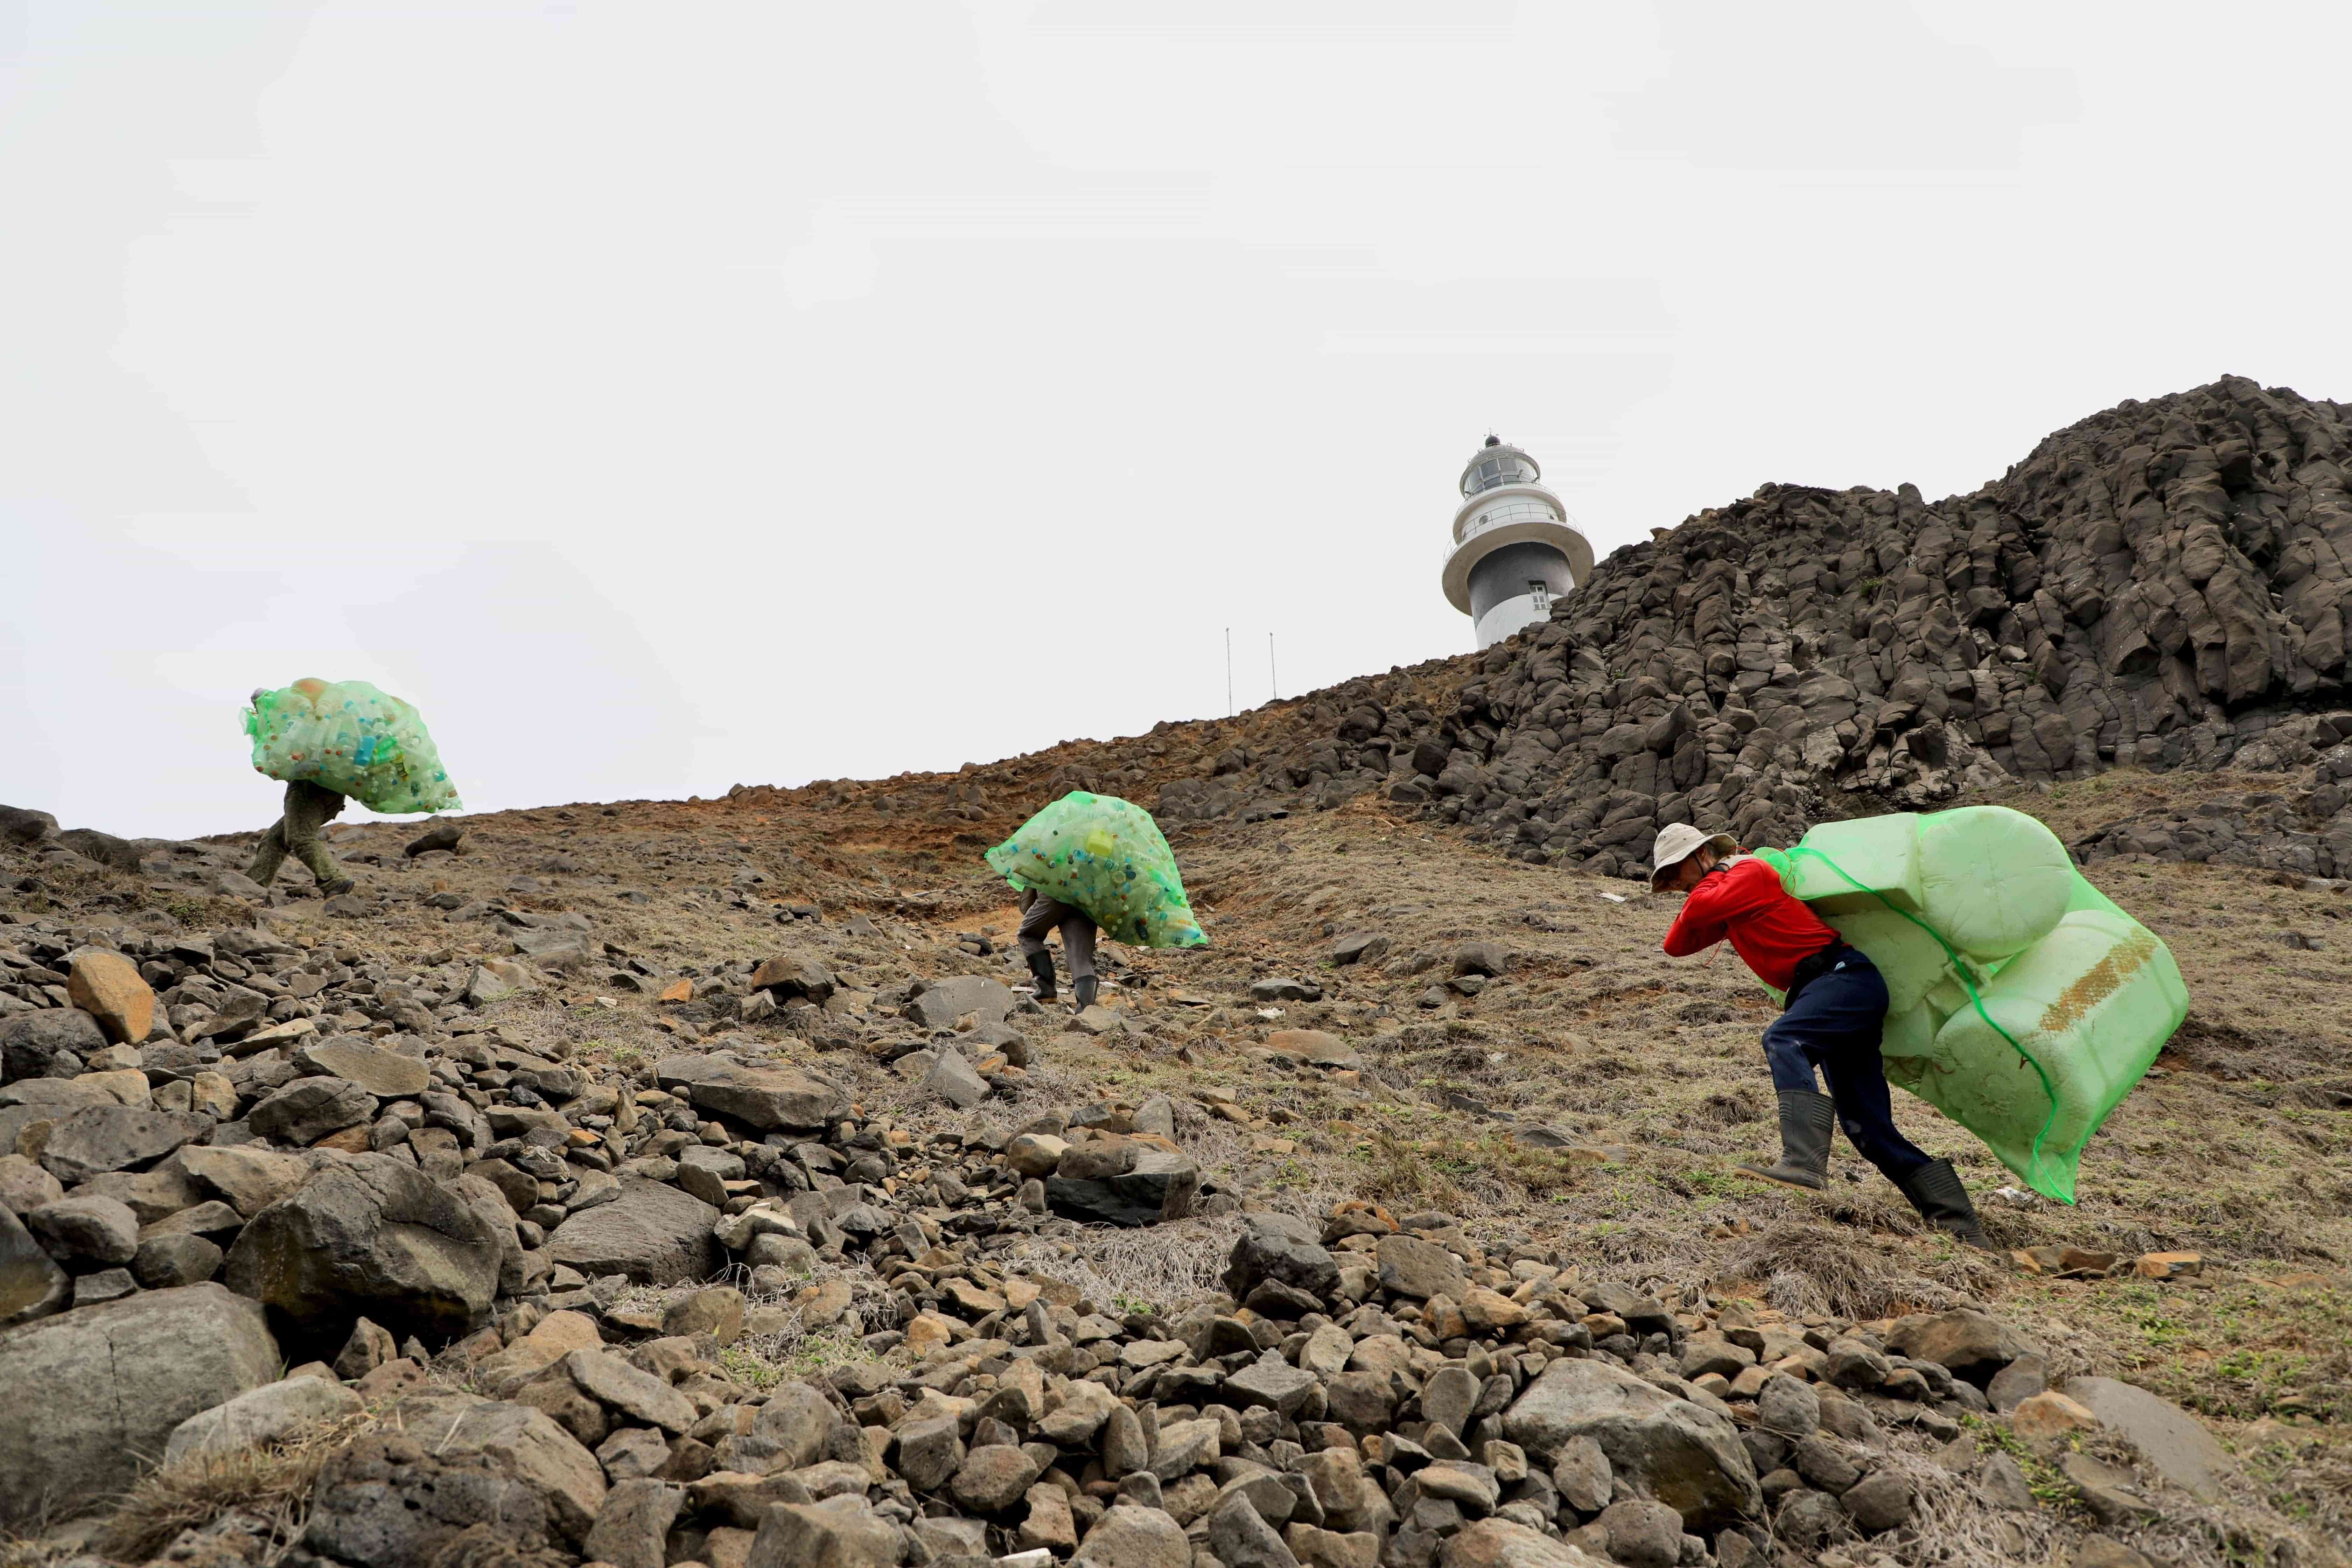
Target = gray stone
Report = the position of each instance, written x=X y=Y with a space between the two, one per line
x=387 y=1075
x=994 y=1478
x=1449 y=1396
x=1239 y=1537
x=96 y=1139
x=369 y=1235
x=1270 y=1381
x=1411 y=1267
x=1127 y=1536
x=766 y=1097
x=1161 y=1185
x=645 y=1400
x=137 y=1368
x=1643 y=1533
x=632 y=1526
x=31 y=1283
x=96 y=1232
x=310 y=1109
x=652 y=1232
x=162 y=1262
x=247 y=1177
x=1788 y=1405
x=2174 y=1444
x=1500 y=1543
x=1581 y=1473
x=1965 y=1342
x=839 y=1533
x=1269 y=1252
x=25 y=1186
x=2024 y=1378
x=1881 y=1501
x=56 y=1042
x=799 y=1421
x=952 y=1080
x=266 y=1415
x=945 y=1001
x=525 y=1444
x=929 y=1452
x=1685 y=1456
x=390 y=1501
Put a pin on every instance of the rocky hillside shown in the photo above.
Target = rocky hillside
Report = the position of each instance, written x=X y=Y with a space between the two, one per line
x=667 y=1183
x=2160 y=586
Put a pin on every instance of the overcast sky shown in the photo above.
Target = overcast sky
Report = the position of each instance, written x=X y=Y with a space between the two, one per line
x=666 y=395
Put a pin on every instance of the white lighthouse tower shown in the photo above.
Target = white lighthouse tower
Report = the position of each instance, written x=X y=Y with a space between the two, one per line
x=1514 y=548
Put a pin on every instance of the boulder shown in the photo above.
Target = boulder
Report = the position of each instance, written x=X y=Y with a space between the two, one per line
x=96 y=1139
x=31 y=1283
x=310 y=1109
x=952 y=1080
x=1967 y=1343
x=1411 y=1267
x=136 y=1368
x=387 y=1075
x=945 y=1001
x=249 y=1179
x=56 y=1042
x=766 y=1097
x=1683 y=1454
x=1499 y=1543
x=87 y=1230
x=2174 y=1444
x=794 y=975
x=369 y=1236
x=22 y=825
x=390 y=1501
x=103 y=847
x=107 y=986
x=522 y=1443
x=839 y=1533
x=652 y=1232
x=1161 y=1185
x=267 y=1414
x=634 y=1525
x=440 y=836
x=1128 y=1536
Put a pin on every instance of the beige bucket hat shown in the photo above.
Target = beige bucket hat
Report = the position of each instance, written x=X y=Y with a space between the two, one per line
x=1677 y=842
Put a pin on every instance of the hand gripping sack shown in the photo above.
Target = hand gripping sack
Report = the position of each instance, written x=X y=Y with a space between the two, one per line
x=1106 y=857
x=2022 y=1004
x=353 y=738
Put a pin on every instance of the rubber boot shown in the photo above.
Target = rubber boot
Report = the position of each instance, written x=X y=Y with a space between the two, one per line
x=1041 y=969
x=1807 y=1119
x=1935 y=1190
x=336 y=887
x=1082 y=992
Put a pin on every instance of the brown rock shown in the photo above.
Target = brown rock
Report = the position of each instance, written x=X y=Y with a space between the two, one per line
x=107 y=986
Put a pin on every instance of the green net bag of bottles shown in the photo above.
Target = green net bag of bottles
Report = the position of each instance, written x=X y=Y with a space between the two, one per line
x=1106 y=857
x=349 y=737
x=2021 y=1002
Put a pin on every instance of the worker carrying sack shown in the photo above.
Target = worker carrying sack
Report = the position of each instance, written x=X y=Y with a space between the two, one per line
x=2021 y=1003
x=348 y=737
x=1106 y=857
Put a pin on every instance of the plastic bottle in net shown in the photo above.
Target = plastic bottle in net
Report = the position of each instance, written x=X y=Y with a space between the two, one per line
x=2024 y=1004
x=1106 y=857
x=351 y=738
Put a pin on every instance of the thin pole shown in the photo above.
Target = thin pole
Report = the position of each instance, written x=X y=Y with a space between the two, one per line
x=1271 y=678
x=1228 y=672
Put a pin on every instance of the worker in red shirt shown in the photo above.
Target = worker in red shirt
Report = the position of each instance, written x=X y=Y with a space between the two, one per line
x=1835 y=1009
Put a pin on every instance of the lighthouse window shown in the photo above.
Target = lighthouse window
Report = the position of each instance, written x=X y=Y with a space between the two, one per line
x=1541 y=594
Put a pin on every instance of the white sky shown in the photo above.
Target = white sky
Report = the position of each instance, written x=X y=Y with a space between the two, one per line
x=666 y=395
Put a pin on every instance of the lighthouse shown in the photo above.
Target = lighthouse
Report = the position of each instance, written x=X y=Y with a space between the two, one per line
x=1515 y=549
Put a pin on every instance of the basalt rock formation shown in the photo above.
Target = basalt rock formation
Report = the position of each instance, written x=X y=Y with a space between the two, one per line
x=2161 y=586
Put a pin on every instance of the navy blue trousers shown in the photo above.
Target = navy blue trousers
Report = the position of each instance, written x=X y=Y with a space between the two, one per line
x=1834 y=1026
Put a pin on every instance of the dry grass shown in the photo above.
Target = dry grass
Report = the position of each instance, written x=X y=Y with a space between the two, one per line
x=269 y=1485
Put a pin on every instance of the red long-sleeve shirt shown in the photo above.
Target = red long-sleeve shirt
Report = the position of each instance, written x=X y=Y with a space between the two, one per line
x=1745 y=902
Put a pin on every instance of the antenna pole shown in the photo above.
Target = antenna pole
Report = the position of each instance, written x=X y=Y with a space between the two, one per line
x=1228 y=672
x=1272 y=679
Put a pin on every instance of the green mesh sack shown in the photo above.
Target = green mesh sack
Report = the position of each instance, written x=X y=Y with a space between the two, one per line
x=351 y=738
x=1105 y=856
x=2023 y=1002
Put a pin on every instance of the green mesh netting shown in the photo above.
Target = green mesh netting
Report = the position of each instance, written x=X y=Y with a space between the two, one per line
x=353 y=738
x=2023 y=1002
x=1105 y=856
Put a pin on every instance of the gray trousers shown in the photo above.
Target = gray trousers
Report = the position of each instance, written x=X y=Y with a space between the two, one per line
x=308 y=807
x=1077 y=934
